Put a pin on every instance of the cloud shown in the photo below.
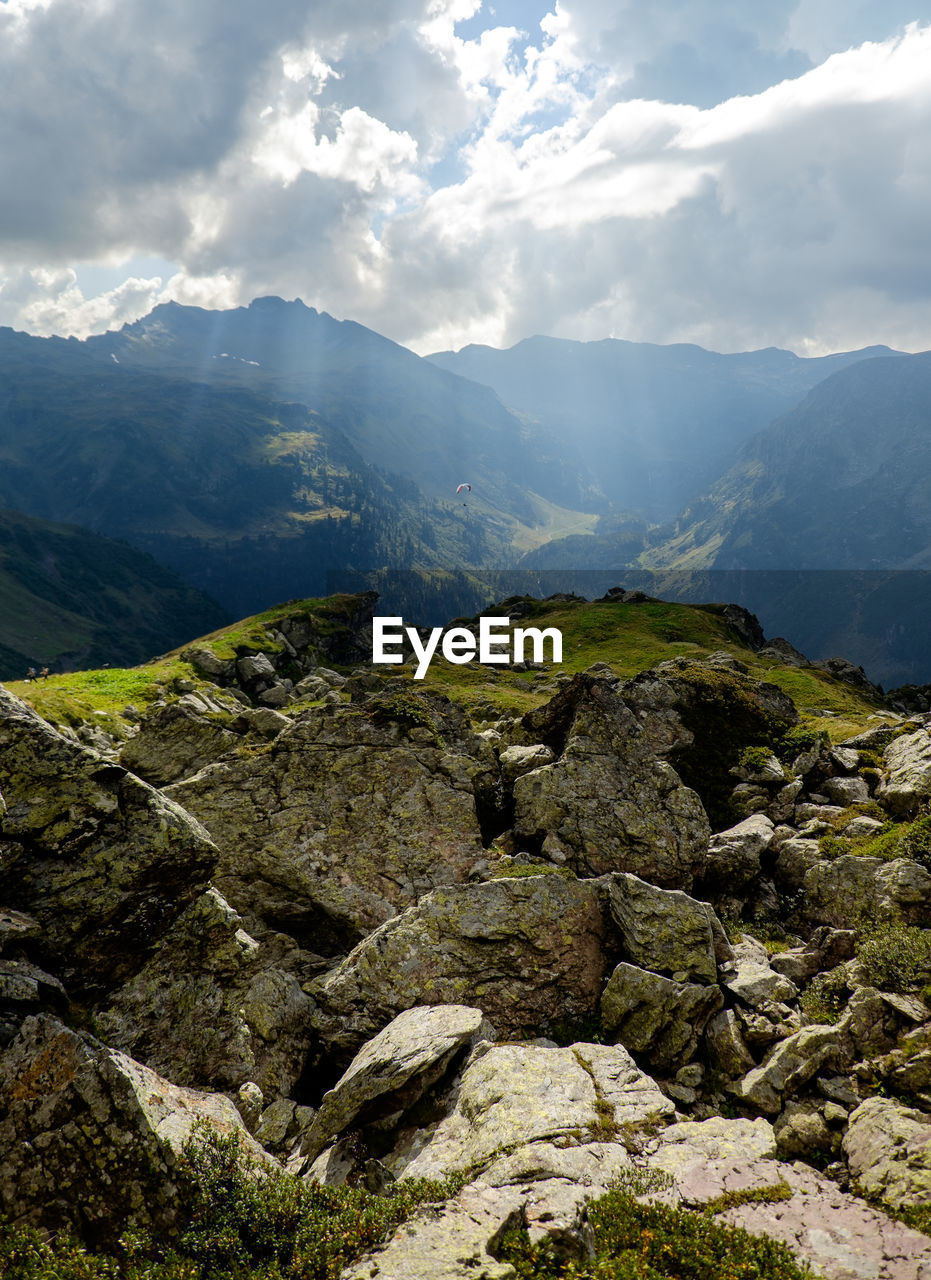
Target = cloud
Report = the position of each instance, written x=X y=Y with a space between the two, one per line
x=700 y=170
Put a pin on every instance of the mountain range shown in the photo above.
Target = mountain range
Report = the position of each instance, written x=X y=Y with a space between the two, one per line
x=250 y=451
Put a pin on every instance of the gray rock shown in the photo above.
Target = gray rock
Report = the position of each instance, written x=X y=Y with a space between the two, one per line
x=755 y=983
x=249 y=1103
x=104 y=863
x=862 y=827
x=89 y=1138
x=725 y=1045
x=255 y=668
x=733 y=859
x=908 y=780
x=528 y=951
x=846 y=791
x=411 y=1053
x=657 y=1018
x=851 y=888
x=517 y=760
x=845 y=758
x=608 y=800
x=664 y=929
x=175 y=741
x=888 y=1150
x=794 y=859
x=801 y=1132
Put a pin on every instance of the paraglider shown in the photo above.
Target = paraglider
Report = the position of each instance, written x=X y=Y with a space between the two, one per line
x=466 y=487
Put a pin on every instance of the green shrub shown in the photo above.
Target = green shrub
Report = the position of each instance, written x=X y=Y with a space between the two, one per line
x=240 y=1225
x=635 y=1241
x=796 y=741
x=825 y=997
x=834 y=846
x=754 y=758
x=896 y=958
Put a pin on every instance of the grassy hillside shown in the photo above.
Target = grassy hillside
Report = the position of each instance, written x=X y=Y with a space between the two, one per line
x=70 y=597
x=629 y=637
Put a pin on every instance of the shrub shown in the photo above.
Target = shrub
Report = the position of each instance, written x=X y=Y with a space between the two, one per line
x=635 y=1241
x=825 y=997
x=240 y=1224
x=896 y=958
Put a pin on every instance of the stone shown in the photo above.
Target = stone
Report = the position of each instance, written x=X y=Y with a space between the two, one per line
x=175 y=741
x=249 y=1103
x=103 y=862
x=89 y=1138
x=755 y=983
x=208 y=664
x=851 y=888
x=907 y=760
x=664 y=929
x=825 y=949
x=767 y=773
x=681 y=1146
x=846 y=791
x=529 y=952
x=862 y=827
x=515 y=1095
x=656 y=1018
x=255 y=668
x=802 y=1132
x=26 y=989
x=297 y=825
x=612 y=804
x=517 y=760
x=733 y=859
x=845 y=758
x=888 y=1151
x=455 y=1240
x=211 y=1007
x=725 y=1045
x=410 y=1054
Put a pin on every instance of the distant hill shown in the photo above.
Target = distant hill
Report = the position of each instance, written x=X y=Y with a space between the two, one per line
x=650 y=426
x=72 y=598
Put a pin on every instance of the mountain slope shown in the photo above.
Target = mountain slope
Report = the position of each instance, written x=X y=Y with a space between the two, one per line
x=651 y=425
x=69 y=597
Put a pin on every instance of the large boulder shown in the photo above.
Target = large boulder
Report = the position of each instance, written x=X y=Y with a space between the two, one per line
x=89 y=1139
x=851 y=890
x=178 y=739
x=908 y=773
x=396 y=1067
x=733 y=859
x=888 y=1150
x=213 y=1007
x=608 y=803
x=529 y=952
x=298 y=822
x=667 y=931
x=103 y=862
x=656 y=1018
x=513 y=1096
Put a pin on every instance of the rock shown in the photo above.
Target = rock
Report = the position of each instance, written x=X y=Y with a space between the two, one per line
x=409 y=1055
x=682 y=1146
x=725 y=1045
x=665 y=930
x=516 y=1095
x=766 y=772
x=276 y=695
x=89 y=1138
x=610 y=802
x=104 y=863
x=249 y=1103
x=657 y=1018
x=888 y=1150
x=211 y=1008
x=845 y=758
x=208 y=664
x=846 y=791
x=264 y=720
x=296 y=825
x=908 y=779
x=842 y=669
x=173 y=742
x=734 y=855
x=794 y=859
x=755 y=984
x=825 y=949
x=517 y=760
x=862 y=827
x=528 y=951
x=839 y=1236
x=801 y=1131
x=26 y=989
x=254 y=669
x=851 y=888
x=458 y=1239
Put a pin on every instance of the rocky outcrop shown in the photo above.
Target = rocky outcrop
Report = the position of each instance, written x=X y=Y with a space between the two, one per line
x=529 y=952
x=89 y=1138
x=888 y=1149
x=852 y=890
x=608 y=803
x=908 y=772
x=656 y=1018
x=212 y=1007
x=666 y=930
x=298 y=821
x=103 y=862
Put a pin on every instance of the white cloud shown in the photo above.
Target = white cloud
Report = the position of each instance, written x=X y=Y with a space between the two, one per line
x=595 y=181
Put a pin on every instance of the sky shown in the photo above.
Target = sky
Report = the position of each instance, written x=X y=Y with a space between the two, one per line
x=733 y=173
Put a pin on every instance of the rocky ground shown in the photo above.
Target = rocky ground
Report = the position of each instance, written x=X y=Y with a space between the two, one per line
x=655 y=932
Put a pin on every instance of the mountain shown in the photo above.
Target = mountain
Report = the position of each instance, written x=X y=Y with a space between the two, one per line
x=72 y=598
x=651 y=426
